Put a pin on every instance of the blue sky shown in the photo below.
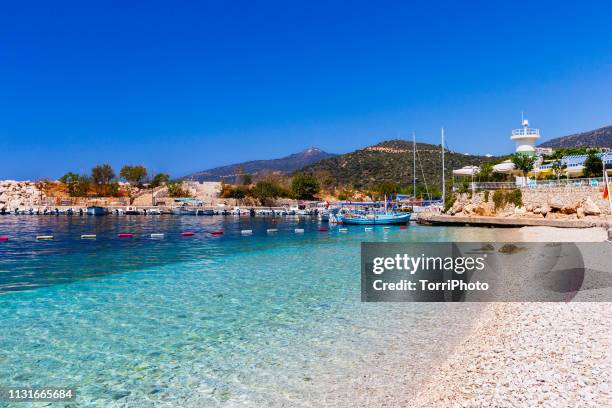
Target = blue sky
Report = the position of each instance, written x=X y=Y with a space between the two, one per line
x=180 y=86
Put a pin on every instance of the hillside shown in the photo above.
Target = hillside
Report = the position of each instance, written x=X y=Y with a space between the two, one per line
x=601 y=137
x=286 y=164
x=391 y=161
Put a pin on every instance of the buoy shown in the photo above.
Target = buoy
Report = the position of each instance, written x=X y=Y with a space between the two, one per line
x=246 y=232
x=88 y=236
x=157 y=235
x=125 y=235
x=271 y=230
x=299 y=230
x=386 y=227
x=368 y=228
x=273 y=221
x=44 y=237
x=187 y=234
x=216 y=233
x=4 y=238
x=343 y=229
x=403 y=227
x=323 y=229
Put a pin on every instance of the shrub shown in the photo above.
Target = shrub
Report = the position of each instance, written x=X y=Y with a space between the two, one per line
x=515 y=197
x=499 y=198
x=486 y=196
x=175 y=189
x=449 y=201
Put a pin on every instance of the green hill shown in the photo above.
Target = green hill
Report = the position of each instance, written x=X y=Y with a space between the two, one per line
x=392 y=161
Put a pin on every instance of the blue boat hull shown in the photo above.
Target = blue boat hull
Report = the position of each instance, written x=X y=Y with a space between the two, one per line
x=376 y=219
x=96 y=210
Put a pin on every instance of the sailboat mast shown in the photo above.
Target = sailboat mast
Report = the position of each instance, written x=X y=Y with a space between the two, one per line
x=443 y=181
x=414 y=165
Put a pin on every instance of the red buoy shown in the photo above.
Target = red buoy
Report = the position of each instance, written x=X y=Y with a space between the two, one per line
x=187 y=234
x=216 y=233
x=125 y=235
x=323 y=229
x=4 y=238
x=402 y=227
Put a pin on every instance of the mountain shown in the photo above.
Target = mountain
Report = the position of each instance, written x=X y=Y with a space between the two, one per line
x=601 y=137
x=286 y=164
x=392 y=161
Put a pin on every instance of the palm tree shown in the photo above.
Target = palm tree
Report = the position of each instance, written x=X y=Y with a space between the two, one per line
x=558 y=167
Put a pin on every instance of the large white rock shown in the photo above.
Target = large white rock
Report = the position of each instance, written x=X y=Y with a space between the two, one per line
x=590 y=208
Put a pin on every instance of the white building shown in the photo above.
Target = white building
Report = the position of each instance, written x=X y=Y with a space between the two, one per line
x=525 y=139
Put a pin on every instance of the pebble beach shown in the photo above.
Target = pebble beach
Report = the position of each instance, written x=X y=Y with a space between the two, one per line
x=530 y=354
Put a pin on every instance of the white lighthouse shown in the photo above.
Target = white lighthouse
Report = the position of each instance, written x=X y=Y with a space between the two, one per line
x=525 y=138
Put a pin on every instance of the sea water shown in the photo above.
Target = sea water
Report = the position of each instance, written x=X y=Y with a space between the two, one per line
x=256 y=320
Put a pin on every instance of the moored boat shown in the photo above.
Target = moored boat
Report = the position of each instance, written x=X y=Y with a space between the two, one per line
x=373 y=218
x=131 y=211
x=96 y=210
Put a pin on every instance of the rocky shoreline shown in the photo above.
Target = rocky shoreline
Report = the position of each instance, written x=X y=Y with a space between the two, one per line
x=533 y=204
x=19 y=194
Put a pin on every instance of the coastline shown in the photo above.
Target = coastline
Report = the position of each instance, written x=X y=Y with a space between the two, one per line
x=528 y=354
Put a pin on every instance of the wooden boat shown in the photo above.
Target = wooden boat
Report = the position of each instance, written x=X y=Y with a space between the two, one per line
x=373 y=218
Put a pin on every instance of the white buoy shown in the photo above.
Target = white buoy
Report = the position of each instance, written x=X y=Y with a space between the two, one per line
x=299 y=230
x=157 y=235
x=387 y=228
x=44 y=237
x=343 y=229
x=368 y=228
x=246 y=232
x=271 y=230
x=88 y=236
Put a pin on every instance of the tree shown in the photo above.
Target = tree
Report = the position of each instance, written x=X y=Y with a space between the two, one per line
x=70 y=180
x=247 y=180
x=486 y=172
x=160 y=179
x=524 y=163
x=134 y=175
x=304 y=186
x=558 y=168
x=81 y=187
x=102 y=174
x=265 y=190
x=593 y=166
x=175 y=189
x=42 y=186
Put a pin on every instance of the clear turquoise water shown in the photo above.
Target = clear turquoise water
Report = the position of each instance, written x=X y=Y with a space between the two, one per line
x=261 y=320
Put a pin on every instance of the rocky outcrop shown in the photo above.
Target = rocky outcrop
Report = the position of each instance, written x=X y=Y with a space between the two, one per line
x=552 y=203
x=18 y=194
